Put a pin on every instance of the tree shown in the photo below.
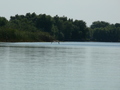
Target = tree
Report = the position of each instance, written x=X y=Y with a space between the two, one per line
x=3 y=21
x=68 y=28
x=44 y=23
x=117 y=25
x=99 y=24
x=81 y=29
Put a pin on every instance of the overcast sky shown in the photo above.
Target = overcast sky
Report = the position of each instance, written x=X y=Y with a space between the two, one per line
x=86 y=10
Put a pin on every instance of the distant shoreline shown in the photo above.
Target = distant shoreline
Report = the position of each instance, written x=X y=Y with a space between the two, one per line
x=53 y=41
x=45 y=28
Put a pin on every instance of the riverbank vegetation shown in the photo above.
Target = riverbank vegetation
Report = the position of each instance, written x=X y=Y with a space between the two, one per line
x=42 y=27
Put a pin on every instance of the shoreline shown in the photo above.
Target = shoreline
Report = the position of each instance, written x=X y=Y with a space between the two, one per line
x=55 y=41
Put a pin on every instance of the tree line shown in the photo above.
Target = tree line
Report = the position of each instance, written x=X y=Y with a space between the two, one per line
x=42 y=27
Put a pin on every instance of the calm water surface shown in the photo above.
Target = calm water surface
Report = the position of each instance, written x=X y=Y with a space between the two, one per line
x=64 y=66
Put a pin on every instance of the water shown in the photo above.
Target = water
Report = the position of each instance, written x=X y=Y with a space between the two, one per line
x=64 y=66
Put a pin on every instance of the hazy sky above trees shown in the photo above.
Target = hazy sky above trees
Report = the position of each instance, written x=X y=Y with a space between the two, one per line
x=87 y=10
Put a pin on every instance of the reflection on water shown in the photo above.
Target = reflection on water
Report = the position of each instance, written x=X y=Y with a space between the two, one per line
x=68 y=66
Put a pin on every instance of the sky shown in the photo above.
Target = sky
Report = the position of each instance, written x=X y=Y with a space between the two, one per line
x=86 y=10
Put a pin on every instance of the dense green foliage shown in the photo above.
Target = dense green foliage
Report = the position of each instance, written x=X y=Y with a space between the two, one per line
x=103 y=31
x=42 y=27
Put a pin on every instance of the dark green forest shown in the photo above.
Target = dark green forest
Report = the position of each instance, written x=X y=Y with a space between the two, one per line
x=45 y=28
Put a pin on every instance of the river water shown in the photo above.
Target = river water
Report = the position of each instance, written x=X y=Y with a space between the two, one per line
x=64 y=66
